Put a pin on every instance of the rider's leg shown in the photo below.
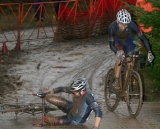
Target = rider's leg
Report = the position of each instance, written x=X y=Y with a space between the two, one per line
x=60 y=102
x=63 y=105
x=127 y=68
x=129 y=48
x=117 y=70
x=59 y=120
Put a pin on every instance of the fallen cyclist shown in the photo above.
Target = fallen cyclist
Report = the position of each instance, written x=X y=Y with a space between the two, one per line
x=76 y=111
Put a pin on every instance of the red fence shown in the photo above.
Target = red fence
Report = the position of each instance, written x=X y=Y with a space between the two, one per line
x=9 y=22
x=75 y=19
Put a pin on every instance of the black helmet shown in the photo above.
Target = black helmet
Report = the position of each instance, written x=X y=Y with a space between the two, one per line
x=78 y=84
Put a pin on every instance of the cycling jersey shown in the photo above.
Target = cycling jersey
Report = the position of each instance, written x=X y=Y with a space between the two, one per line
x=125 y=37
x=81 y=107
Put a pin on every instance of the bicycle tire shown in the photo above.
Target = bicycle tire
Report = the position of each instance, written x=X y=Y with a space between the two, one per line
x=4 y=108
x=31 y=108
x=110 y=94
x=38 y=107
x=134 y=94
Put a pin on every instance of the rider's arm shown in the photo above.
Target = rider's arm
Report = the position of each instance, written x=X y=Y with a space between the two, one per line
x=111 y=37
x=96 y=108
x=58 y=90
x=97 y=122
x=145 y=41
x=98 y=114
x=61 y=89
x=137 y=31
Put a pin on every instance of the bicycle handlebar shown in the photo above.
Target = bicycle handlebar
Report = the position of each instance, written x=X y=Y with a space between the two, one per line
x=40 y=94
x=132 y=56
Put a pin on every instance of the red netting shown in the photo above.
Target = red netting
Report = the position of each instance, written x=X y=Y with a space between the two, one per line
x=81 y=24
x=72 y=23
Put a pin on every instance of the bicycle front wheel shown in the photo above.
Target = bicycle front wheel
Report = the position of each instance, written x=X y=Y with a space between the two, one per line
x=4 y=108
x=111 y=98
x=134 y=94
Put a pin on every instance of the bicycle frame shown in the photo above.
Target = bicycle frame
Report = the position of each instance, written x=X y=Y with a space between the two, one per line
x=41 y=95
x=124 y=81
x=131 y=90
x=30 y=108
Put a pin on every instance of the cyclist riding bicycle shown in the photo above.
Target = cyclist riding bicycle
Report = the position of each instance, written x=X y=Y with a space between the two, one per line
x=120 y=36
x=79 y=109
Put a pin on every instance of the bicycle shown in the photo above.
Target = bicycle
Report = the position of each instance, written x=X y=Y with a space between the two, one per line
x=30 y=108
x=131 y=90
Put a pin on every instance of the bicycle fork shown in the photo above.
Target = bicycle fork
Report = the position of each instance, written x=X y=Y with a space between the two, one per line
x=43 y=110
x=43 y=115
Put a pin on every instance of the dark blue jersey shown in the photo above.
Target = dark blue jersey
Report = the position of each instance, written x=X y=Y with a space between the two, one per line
x=82 y=106
x=122 y=36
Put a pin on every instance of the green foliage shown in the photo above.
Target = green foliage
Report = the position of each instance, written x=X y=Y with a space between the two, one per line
x=151 y=19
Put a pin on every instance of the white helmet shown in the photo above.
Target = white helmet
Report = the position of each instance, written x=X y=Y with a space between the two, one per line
x=123 y=16
x=78 y=84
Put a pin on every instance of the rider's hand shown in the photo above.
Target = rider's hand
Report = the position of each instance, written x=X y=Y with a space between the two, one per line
x=150 y=56
x=120 y=54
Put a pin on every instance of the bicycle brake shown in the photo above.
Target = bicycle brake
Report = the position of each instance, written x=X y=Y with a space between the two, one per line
x=41 y=94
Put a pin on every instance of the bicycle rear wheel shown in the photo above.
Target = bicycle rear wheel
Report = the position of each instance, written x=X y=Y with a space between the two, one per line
x=134 y=94
x=110 y=94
